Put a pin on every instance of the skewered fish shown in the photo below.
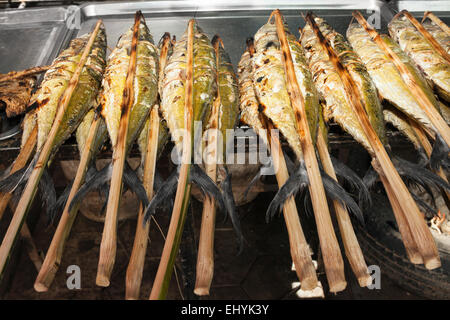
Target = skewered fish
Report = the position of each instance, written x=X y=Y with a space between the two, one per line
x=435 y=67
x=337 y=106
x=438 y=34
x=390 y=83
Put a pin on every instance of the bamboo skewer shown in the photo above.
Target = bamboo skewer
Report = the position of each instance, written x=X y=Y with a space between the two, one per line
x=136 y=264
x=24 y=73
x=430 y=15
x=164 y=273
x=351 y=245
x=334 y=264
x=426 y=34
x=20 y=162
x=108 y=245
x=300 y=251
x=55 y=251
x=31 y=186
x=437 y=120
x=419 y=229
x=137 y=259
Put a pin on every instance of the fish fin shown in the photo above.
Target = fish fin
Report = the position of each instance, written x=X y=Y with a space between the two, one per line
x=60 y=203
x=166 y=190
x=10 y=183
x=96 y=181
x=297 y=181
x=427 y=208
x=370 y=178
x=439 y=154
x=348 y=175
x=48 y=193
x=289 y=163
x=336 y=192
x=230 y=205
x=207 y=185
x=253 y=182
x=418 y=174
x=157 y=181
x=131 y=179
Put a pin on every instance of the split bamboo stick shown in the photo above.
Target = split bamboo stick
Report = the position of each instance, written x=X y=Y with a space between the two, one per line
x=31 y=186
x=435 y=118
x=108 y=245
x=419 y=229
x=430 y=15
x=137 y=259
x=164 y=273
x=352 y=249
x=55 y=251
x=334 y=264
x=426 y=34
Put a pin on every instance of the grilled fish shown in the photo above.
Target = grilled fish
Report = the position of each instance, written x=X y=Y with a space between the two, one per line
x=337 y=105
x=433 y=65
x=438 y=34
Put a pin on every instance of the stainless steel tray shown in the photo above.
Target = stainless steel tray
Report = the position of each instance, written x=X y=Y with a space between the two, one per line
x=31 y=37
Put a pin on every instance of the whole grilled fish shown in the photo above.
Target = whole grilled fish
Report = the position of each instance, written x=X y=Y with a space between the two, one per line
x=145 y=95
x=433 y=65
x=47 y=97
x=337 y=105
x=269 y=83
x=173 y=104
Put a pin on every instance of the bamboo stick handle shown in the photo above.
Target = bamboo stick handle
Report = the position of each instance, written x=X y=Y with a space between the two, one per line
x=55 y=251
x=412 y=251
x=435 y=19
x=334 y=264
x=435 y=118
x=300 y=251
x=137 y=259
x=419 y=229
x=136 y=264
x=20 y=162
x=426 y=35
x=164 y=273
x=31 y=186
x=205 y=255
x=351 y=245
x=108 y=245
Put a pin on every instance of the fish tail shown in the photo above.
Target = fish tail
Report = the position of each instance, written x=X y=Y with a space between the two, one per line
x=418 y=174
x=336 y=192
x=60 y=203
x=48 y=193
x=230 y=205
x=131 y=179
x=370 y=178
x=166 y=190
x=10 y=183
x=439 y=154
x=95 y=182
x=427 y=208
x=207 y=185
x=296 y=181
x=348 y=175
x=254 y=180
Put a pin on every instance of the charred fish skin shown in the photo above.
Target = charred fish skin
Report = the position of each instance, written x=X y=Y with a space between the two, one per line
x=173 y=91
x=248 y=103
x=82 y=133
x=29 y=121
x=56 y=81
x=438 y=34
x=397 y=119
x=145 y=84
x=228 y=94
x=329 y=85
x=387 y=77
x=433 y=65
